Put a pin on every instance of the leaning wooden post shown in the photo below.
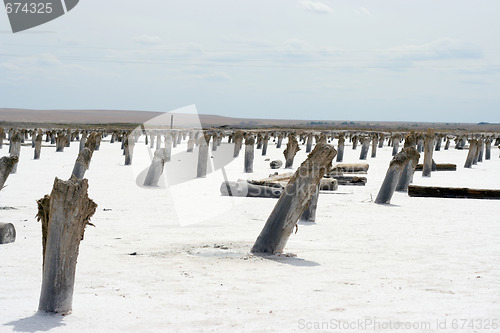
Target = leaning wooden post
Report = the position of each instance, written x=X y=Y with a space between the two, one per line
x=471 y=154
x=480 y=150
x=15 y=141
x=428 y=150
x=83 y=139
x=291 y=150
x=488 y=149
x=408 y=169
x=365 y=145
x=395 y=144
x=61 y=142
x=203 y=142
x=394 y=174
x=309 y=143
x=128 y=147
x=156 y=168
x=249 y=153
x=309 y=214
x=64 y=215
x=82 y=163
x=447 y=144
x=7 y=163
x=340 y=148
x=38 y=146
x=238 y=142
x=294 y=200
x=374 y=145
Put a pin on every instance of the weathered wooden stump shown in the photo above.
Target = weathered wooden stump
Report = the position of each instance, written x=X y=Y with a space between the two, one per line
x=354 y=140
x=381 y=140
x=158 y=141
x=38 y=146
x=64 y=215
x=280 y=141
x=309 y=214
x=82 y=163
x=452 y=192
x=340 y=148
x=309 y=143
x=169 y=140
x=2 y=136
x=294 y=200
x=394 y=174
x=374 y=145
x=395 y=144
x=128 y=146
x=203 y=142
x=243 y=188
x=447 y=144
x=68 y=138
x=61 y=142
x=238 y=142
x=480 y=152
x=249 y=153
x=408 y=169
x=265 y=141
x=190 y=145
x=291 y=150
x=98 y=138
x=428 y=150
x=15 y=148
x=7 y=164
x=156 y=168
x=488 y=149
x=7 y=233
x=472 y=153
x=351 y=167
x=365 y=146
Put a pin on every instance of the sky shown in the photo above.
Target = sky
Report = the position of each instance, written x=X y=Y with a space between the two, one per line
x=392 y=60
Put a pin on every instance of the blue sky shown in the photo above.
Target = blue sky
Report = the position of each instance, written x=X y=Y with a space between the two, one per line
x=318 y=60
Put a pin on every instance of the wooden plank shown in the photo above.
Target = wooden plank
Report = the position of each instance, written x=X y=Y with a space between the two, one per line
x=452 y=192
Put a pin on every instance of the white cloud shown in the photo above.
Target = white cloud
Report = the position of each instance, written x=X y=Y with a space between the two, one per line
x=147 y=40
x=316 y=7
x=366 y=11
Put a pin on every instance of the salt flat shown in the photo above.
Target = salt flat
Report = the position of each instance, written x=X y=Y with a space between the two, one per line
x=417 y=260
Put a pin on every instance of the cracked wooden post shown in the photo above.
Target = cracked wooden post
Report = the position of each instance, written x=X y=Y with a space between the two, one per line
x=156 y=168
x=406 y=177
x=259 y=140
x=472 y=153
x=476 y=155
x=381 y=140
x=7 y=163
x=98 y=138
x=393 y=174
x=113 y=138
x=480 y=150
x=33 y=137
x=395 y=144
x=82 y=163
x=64 y=215
x=152 y=140
x=15 y=150
x=38 y=146
x=203 y=142
x=294 y=200
x=61 y=141
x=83 y=139
x=280 y=141
x=365 y=145
x=265 y=141
x=428 y=150
x=447 y=144
x=374 y=145
x=190 y=145
x=238 y=142
x=340 y=148
x=173 y=138
x=420 y=143
x=488 y=149
x=291 y=150
x=309 y=143
x=128 y=146
x=249 y=153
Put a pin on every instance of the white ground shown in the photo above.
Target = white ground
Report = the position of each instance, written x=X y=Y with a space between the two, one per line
x=417 y=260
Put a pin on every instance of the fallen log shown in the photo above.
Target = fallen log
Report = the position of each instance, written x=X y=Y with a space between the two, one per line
x=452 y=192
x=351 y=167
x=243 y=188
x=440 y=167
x=348 y=180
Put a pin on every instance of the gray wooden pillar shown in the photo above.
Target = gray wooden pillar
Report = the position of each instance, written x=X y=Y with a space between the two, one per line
x=294 y=200
x=156 y=168
x=7 y=164
x=2 y=136
x=374 y=145
x=238 y=142
x=151 y=140
x=280 y=140
x=395 y=144
x=309 y=143
x=249 y=153
x=340 y=148
x=488 y=149
x=365 y=146
x=169 y=140
x=354 y=140
x=38 y=146
x=64 y=215
x=265 y=141
x=215 y=139
x=83 y=139
x=447 y=144
x=480 y=150
x=158 y=141
x=98 y=138
x=15 y=141
x=190 y=145
x=203 y=142
x=309 y=214
x=128 y=146
x=381 y=140
x=406 y=177
x=439 y=139
x=61 y=142
x=68 y=137
x=472 y=153
x=82 y=163
x=428 y=150
x=291 y=150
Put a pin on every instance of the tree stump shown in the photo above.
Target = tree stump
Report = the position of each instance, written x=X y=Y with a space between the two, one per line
x=393 y=175
x=15 y=148
x=408 y=169
x=2 y=136
x=64 y=215
x=340 y=148
x=265 y=141
x=203 y=141
x=381 y=140
x=249 y=153
x=169 y=140
x=488 y=149
x=428 y=150
x=291 y=150
x=238 y=142
x=7 y=164
x=82 y=163
x=280 y=141
x=61 y=142
x=395 y=144
x=156 y=168
x=294 y=200
x=309 y=214
x=447 y=144
x=365 y=145
x=190 y=145
x=38 y=146
x=83 y=140
x=471 y=154
x=7 y=233
x=128 y=147
x=309 y=143
x=374 y=145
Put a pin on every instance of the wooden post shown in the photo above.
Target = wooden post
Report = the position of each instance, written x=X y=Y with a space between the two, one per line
x=15 y=141
x=38 y=146
x=238 y=142
x=488 y=149
x=265 y=141
x=64 y=215
x=472 y=153
x=309 y=143
x=173 y=138
x=291 y=150
x=439 y=139
x=98 y=138
x=365 y=145
x=259 y=140
x=156 y=168
x=190 y=145
x=61 y=142
x=215 y=138
x=203 y=141
x=294 y=200
x=480 y=150
x=169 y=140
x=151 y=140
x=280 y=140
x=354 y=140
x=68 y=137
x=394 y=174
x=82 y=163
x=249 y=153
x=395 y=144
x=158 y=141
x=408 y=169
x=340 y=148
x=2 y=136
x=83 y=140
x=381 y=140
x=428 y=149
x=374 y=145
x=447 y=145
x=128 y=146
x=309 y=214
x=7 y=164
